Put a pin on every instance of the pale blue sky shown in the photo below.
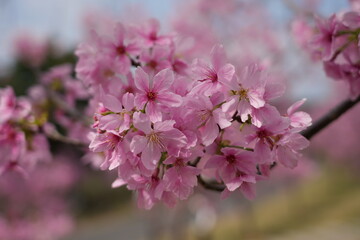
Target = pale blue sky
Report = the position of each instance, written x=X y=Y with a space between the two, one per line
x=61 y=19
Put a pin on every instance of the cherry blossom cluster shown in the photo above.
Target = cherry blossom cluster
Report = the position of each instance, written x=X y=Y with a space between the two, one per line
x=36 y=207
x=335 y=42
x=22 y=146
x=166 y=124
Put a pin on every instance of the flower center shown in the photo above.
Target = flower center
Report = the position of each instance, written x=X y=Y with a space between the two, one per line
x=204 y=114
x=151 y=96
x=152 y=64
x=113 y=140
x=243 y=93
x=153 y=36
x=211 y=76
x=108 y=73
x=121 y=50
x=155 y=139
x=230 y=158
x=262 y=133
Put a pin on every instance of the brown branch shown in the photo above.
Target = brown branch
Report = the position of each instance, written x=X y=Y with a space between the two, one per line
x=211 y=185
x=329 y=118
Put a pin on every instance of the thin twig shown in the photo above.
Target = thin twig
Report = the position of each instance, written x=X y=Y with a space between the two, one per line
x=66 y=108
x=56 y=136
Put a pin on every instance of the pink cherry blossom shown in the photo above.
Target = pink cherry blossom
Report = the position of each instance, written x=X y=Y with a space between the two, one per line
x=154 y=92
x=234 y=167
x=207 y=115
x=181 y=178
x=158 y=137
x=247 y=92
x=149 y=34
x=121 y=49
x=211 y=77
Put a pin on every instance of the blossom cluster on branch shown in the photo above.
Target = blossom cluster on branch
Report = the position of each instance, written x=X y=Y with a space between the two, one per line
x=22 y=146
x=166 y=123
x=335 y=42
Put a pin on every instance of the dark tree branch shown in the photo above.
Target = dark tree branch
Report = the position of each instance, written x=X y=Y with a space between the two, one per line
x=211 y=185
x=329 y=118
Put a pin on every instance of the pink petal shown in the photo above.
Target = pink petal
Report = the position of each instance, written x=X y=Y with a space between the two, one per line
x=170 y=99
x=163 y=80
x=110 y=122
x=226 y=74
x=295 y=106
x=128 y=101
x=244 y=110
x=110 y=102
x=298 y=142
x=221 y=119
x=142 y=122
x=256 y=98
x=150 y=156
x=153 y=110
x=263 y=152
x=218 y=57
x=141 y=80
x=164 y=126
x=300 y=120
x=234 y=184
x=216 y=161
x=248 y=189
x=118 y=183
x=209 y=132
x=287 y=157
x=138 y=144
x=273 y=90
x=119 y=33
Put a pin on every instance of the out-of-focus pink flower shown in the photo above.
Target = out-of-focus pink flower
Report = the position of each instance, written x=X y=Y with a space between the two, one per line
x=33 y=51
x=212 y=77
x=149 y=34
x=155 y=60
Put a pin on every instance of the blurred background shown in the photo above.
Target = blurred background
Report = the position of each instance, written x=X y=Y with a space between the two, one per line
x=320 y=199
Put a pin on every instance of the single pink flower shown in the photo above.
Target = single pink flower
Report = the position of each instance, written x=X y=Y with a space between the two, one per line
x=247 y=92
x=158 y=137
x=118 y=117
x=149 y=34
x=181 y=178
x=286 y=150
x=155 y=92
x=324 y=40
x=155 y=59
x=114 y=147
x=234 y=167
x=211 y=77
x=121 y=50
x=207 y=116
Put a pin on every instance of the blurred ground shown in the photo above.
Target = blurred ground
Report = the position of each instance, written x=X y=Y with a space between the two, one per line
x=325 y=207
